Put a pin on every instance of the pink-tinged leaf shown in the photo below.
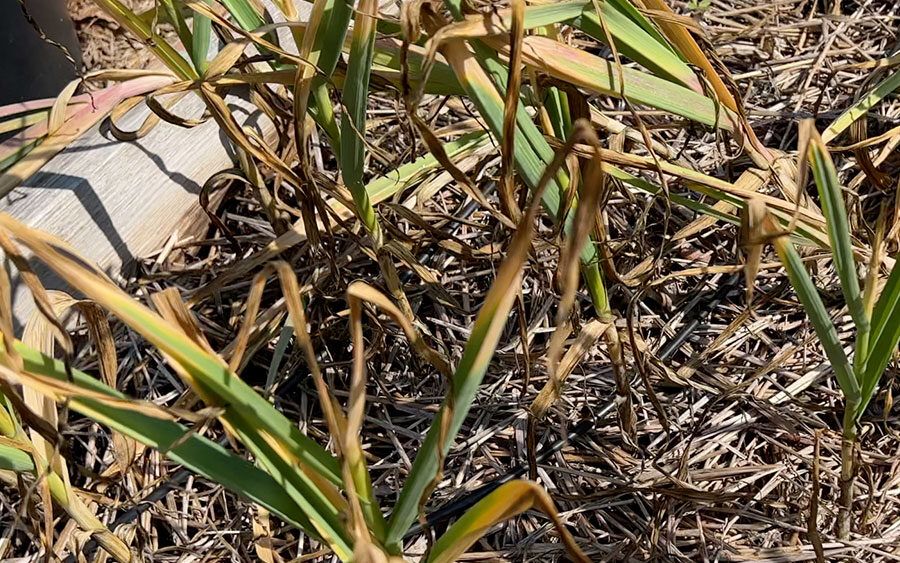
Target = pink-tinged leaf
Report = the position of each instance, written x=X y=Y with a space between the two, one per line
x=29 y=106
x=79 y=119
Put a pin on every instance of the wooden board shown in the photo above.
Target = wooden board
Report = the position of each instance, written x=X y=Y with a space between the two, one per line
x=116 y=201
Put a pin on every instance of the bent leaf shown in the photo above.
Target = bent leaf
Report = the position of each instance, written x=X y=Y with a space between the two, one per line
x=506 y=502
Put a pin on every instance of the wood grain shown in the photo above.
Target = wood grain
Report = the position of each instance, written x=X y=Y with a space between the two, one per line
x=116 y=201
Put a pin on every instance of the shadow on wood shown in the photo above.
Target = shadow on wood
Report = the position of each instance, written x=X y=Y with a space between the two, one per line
x=117 y=201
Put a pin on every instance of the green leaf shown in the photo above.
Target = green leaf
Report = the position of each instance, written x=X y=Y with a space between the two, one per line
x=508 y=500
x=18 y=153
x=557 y=106
x=22 y=120
x=386 y=63
x=818 y=314
x=627 y=9
x=648 y=187
x=532 y=156
x=14 y=459
x=353 y=123
x=330 y=34
x=139 y=27
x=649 y=50
x=533 y=153
x=838 y=227
x=308 y=474
x=174 y=16
x=482 y=341
x=860 y=108
x=476 y=357
x=202 y=30
x=195 y=452
x=555 y=101
x=326 y=51
x=548 y=14
x=244 y=14
x=582 y=69
x=381 y=188
x=884 y=337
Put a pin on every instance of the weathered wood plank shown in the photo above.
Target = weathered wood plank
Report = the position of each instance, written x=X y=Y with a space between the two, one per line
x=116 y=201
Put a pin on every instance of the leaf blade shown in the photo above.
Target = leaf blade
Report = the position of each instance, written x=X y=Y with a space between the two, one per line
x=884 y=336
x=504 y=503
x=199 y=454
x=838 y=227
x=860 y=108
x=353 y=123
x=815 y=309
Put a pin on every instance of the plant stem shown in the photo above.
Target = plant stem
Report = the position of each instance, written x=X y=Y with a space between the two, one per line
x=623 y=385
x=604 y=311
x=848 y=445
x=393 y=283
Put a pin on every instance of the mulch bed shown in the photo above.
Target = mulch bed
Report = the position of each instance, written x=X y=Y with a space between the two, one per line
x=747 y=418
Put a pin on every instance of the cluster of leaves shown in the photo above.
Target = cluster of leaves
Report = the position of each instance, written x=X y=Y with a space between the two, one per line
x=538 y=126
